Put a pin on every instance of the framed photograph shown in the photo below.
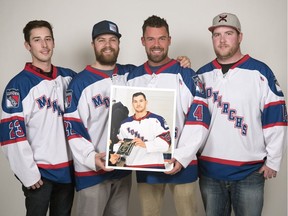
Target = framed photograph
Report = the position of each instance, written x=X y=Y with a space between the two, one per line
x=141 y=128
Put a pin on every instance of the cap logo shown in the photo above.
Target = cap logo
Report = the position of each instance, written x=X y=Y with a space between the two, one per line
x=112 y=27
x=222 y=18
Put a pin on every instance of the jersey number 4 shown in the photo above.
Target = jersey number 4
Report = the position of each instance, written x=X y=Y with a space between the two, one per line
x=198 y=113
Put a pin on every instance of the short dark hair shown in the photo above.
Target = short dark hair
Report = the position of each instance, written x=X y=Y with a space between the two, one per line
x=155 y=21
x=138 y=94
x=36 y=24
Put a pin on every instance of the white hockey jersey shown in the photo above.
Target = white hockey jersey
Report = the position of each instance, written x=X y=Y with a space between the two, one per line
x=86 y=120
x=249 y=119
x=32 y=130
x=153 y=130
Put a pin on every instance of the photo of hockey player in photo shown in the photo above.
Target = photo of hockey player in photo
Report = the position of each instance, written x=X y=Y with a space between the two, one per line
x=141 y=129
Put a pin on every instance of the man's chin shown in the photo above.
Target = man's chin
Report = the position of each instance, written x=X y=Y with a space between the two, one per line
x=157 y=59
x=108 y=62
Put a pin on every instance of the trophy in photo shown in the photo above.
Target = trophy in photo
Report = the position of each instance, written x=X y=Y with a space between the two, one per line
x=125 y=147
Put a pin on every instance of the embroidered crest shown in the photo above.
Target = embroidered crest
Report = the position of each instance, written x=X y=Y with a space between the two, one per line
x=198 y=82
x=12 y=98
x=68 y=98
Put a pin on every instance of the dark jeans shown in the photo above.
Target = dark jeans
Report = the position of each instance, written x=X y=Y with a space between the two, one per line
x=245 y=196
x=55 y=196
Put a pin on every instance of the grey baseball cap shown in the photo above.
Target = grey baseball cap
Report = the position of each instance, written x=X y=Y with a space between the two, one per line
x=226 y=19
x=105 y=27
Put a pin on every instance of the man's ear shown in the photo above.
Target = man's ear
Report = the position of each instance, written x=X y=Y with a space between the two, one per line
x=240 y=37
x=143 y=41
x=27 y=45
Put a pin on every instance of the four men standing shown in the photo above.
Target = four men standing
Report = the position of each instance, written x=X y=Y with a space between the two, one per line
x=254 y=119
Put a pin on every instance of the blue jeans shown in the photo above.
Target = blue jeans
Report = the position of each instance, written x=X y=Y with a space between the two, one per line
x=55 y=196
x=245 y=196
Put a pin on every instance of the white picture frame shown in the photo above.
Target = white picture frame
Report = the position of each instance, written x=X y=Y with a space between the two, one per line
x=161 y=102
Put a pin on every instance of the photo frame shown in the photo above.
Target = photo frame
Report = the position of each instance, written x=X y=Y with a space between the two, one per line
x=146 y=143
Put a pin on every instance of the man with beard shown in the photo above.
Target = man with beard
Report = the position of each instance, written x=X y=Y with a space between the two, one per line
x=100 y=191
x=246 y=103
x=160 y=71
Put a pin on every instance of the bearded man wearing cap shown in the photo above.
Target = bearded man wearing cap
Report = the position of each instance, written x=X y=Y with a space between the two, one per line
x=247 y=104
x=100 y=191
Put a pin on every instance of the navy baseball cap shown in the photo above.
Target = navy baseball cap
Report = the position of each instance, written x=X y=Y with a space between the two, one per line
x=105 y=27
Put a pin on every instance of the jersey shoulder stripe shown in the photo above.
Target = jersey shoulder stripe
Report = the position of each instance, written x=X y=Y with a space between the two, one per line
x=64 y=72
x=123 y=69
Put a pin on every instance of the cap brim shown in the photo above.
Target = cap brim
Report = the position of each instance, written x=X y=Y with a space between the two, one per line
x=211 y=28
x=114 y=33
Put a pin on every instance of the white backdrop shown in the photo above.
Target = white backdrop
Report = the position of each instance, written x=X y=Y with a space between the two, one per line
x=264 y=24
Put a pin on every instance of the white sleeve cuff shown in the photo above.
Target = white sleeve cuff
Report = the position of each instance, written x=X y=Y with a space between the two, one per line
x=90 y=161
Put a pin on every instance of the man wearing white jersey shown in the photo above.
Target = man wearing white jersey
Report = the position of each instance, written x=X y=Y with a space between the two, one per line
x=160 y=71
x=32 y=131
x=248 y=126
x=100 y=191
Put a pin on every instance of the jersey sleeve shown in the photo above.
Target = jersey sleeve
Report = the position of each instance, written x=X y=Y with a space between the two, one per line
x=75 y=120
x=162 y=139
x=14 y=142
x=274 y=121
x=196 y=126
x=187 y=89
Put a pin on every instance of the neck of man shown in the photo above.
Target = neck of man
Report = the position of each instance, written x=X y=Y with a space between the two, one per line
x=163 y=62
x=99 y=66
x=231 y=59
x=45 y=66
x=139 y=115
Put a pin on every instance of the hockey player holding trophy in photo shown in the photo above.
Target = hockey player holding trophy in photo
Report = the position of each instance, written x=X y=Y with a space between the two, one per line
x=144 y=137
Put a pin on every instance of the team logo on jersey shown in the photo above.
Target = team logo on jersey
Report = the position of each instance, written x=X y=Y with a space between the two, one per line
x=12 y=98
x=226 y=109
x=68 y=98
x=198 y=82
x=100 y=101
x=135 y=133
